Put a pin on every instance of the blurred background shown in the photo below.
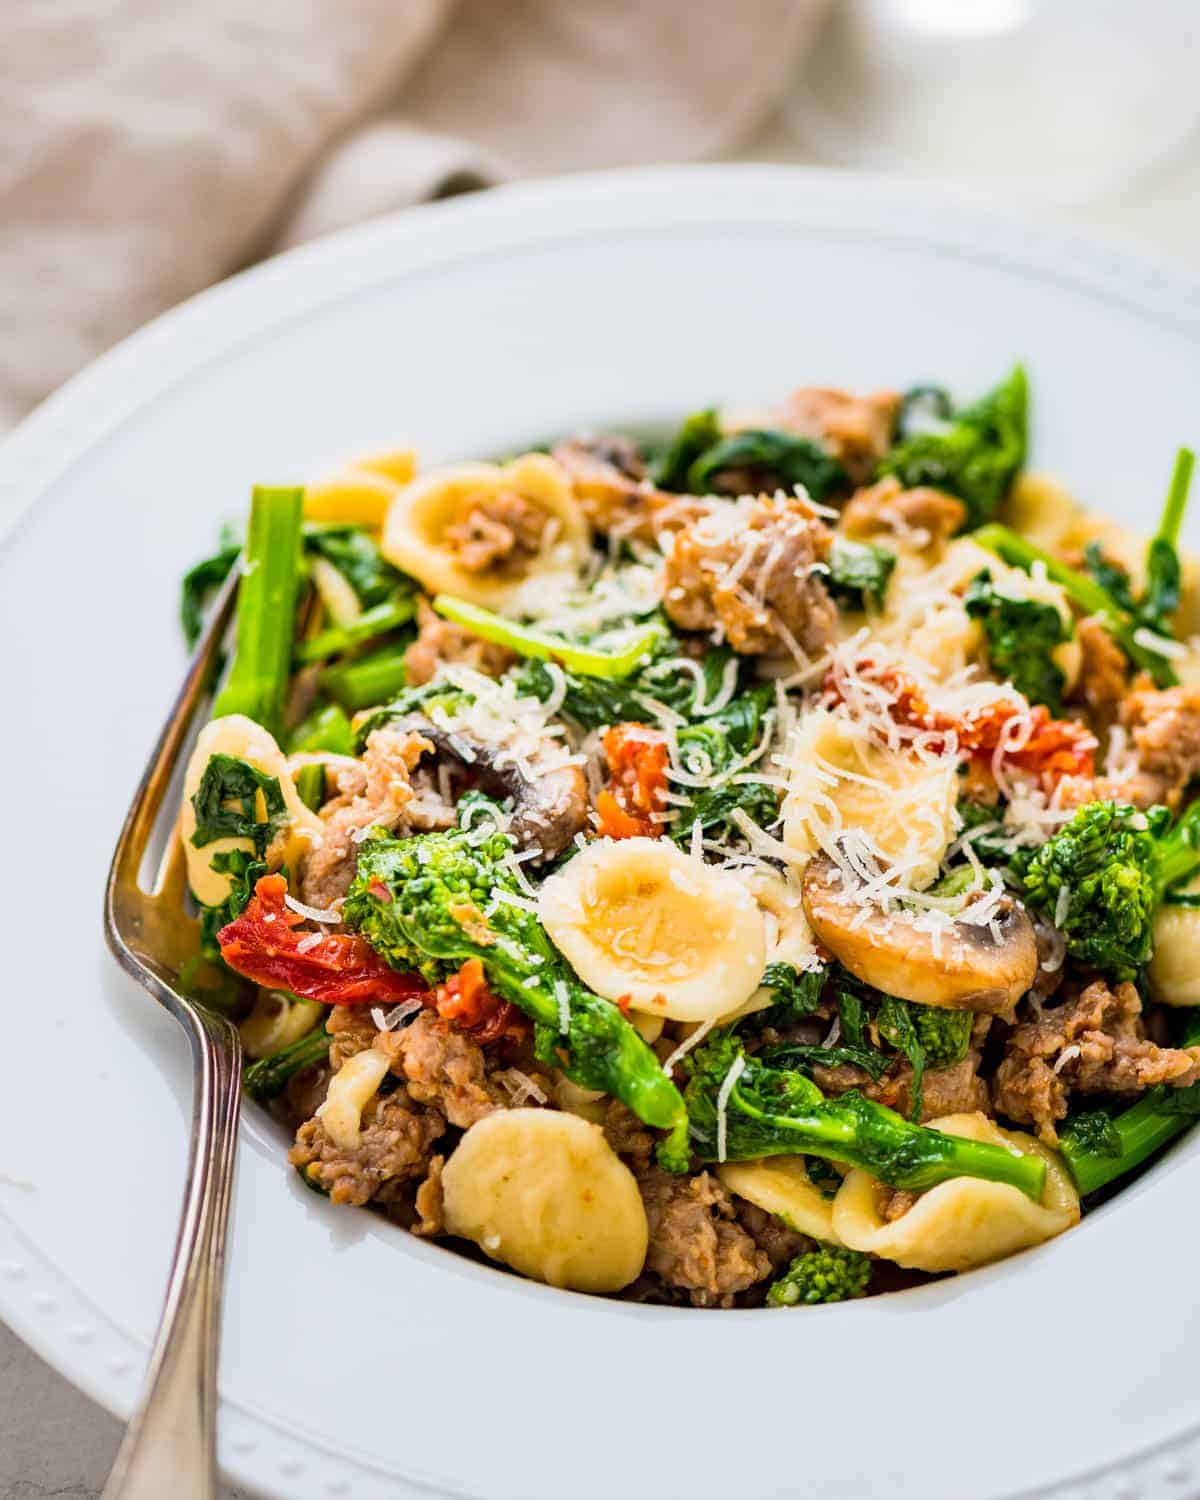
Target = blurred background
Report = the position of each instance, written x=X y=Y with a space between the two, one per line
x=151 y=147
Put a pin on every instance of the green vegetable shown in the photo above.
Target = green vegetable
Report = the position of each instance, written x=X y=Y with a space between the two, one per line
x=595 y=702
x=945 y=1035
x=310 y=785
x=1098 y=1147
x=770 y=1111
x=1104 y=590
x=718 y=745
x=326 y=728
x=698 y=433
x=924 y=408
x=267 y=1078
x=796 y=993
x=895 y=1024
x=364 y=681
x=764 y=459
x=244 y=871
x=1102 y=878
x=226 y=803
x=354 y=554
x=525 y=640
x=203 y=580
x=377 y=620
x=1021 y=637
x=828 y=1274
x=974 y=454
x=1164 y=575
x=258 y=679
x=438 y=885
x=859 y=572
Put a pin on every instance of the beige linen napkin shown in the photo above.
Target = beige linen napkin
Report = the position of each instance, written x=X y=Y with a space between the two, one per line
x=150 y=147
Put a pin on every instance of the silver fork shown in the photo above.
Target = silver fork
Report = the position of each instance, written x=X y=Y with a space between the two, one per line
x=170 y=1445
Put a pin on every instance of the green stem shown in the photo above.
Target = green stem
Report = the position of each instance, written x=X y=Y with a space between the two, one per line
x=326 y=728
x=585 y=661
x=258 y=679
x=367 y=680
x=372 y=622
x=310 y=785
x=1142 y=1129
x=1177 y=496
x=268 y=1077
x=1086 y=592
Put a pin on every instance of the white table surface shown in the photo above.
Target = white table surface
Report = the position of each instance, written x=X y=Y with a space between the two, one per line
x=54 y=1442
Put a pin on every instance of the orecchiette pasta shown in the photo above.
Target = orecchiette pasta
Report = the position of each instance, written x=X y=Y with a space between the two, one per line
x=544 y=1192
x=840 y=777
x=361 y=494
x=780 y=1185
x=416 y=533
x=640 y=918
x=275 y=1022
x=243 y=739
x=1175 y=966
x=964 y=1222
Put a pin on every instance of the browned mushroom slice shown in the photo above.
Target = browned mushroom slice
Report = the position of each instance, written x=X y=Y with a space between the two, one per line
x=960 y=967
x=548 y=807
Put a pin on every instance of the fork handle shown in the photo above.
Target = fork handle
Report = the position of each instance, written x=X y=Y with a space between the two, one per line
x=169 y=1448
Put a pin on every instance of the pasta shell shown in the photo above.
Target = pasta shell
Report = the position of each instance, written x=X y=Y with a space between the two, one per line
x=415 y=530
x=545 y=1193
x=962 y=1223
x=1174 y=971
x=242 y=738
x=839 y=779
x=639 y=919
x=780 y=1185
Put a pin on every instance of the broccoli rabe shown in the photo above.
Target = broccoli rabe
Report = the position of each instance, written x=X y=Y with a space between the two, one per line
x=831 y=1273
x=1104 y=590
x=420 y=902
x=702 y=460
x=1098 y=1147
x=244 y=872
x=740 y=1107
x=974 y=452
x=266 y=610
x=859 y=572
x=528 y=641
x=1021 y=635
x=268 y=1077
x=716 y=747
x=1102 y=878
x=594 y=702
x=945 y=1035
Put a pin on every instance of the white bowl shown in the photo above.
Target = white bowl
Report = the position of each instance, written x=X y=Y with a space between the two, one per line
x=358 y=1360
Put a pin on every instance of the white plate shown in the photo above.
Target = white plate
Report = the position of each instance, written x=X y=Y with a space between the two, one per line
x=358 y=1360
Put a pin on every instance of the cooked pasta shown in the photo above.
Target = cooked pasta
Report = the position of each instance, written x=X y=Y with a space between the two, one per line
x=751 y=868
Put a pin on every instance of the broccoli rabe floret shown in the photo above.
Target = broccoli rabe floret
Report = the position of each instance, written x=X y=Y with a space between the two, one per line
x=830 y=1273
x=1021 y=638
x=973 y=452
x=1102 y=878
x=741 y=1106
x=432 y=902
x=945 y=1035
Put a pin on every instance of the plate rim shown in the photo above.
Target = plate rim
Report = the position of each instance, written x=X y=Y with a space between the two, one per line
x=255 y=303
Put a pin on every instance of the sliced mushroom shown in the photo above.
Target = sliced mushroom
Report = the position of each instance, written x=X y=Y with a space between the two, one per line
x=959 y=967
x=549 y=808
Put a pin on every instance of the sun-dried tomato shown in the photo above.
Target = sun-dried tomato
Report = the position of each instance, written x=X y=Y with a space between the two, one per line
x=637 y=767
x=468 y=1002
x=335 y=968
